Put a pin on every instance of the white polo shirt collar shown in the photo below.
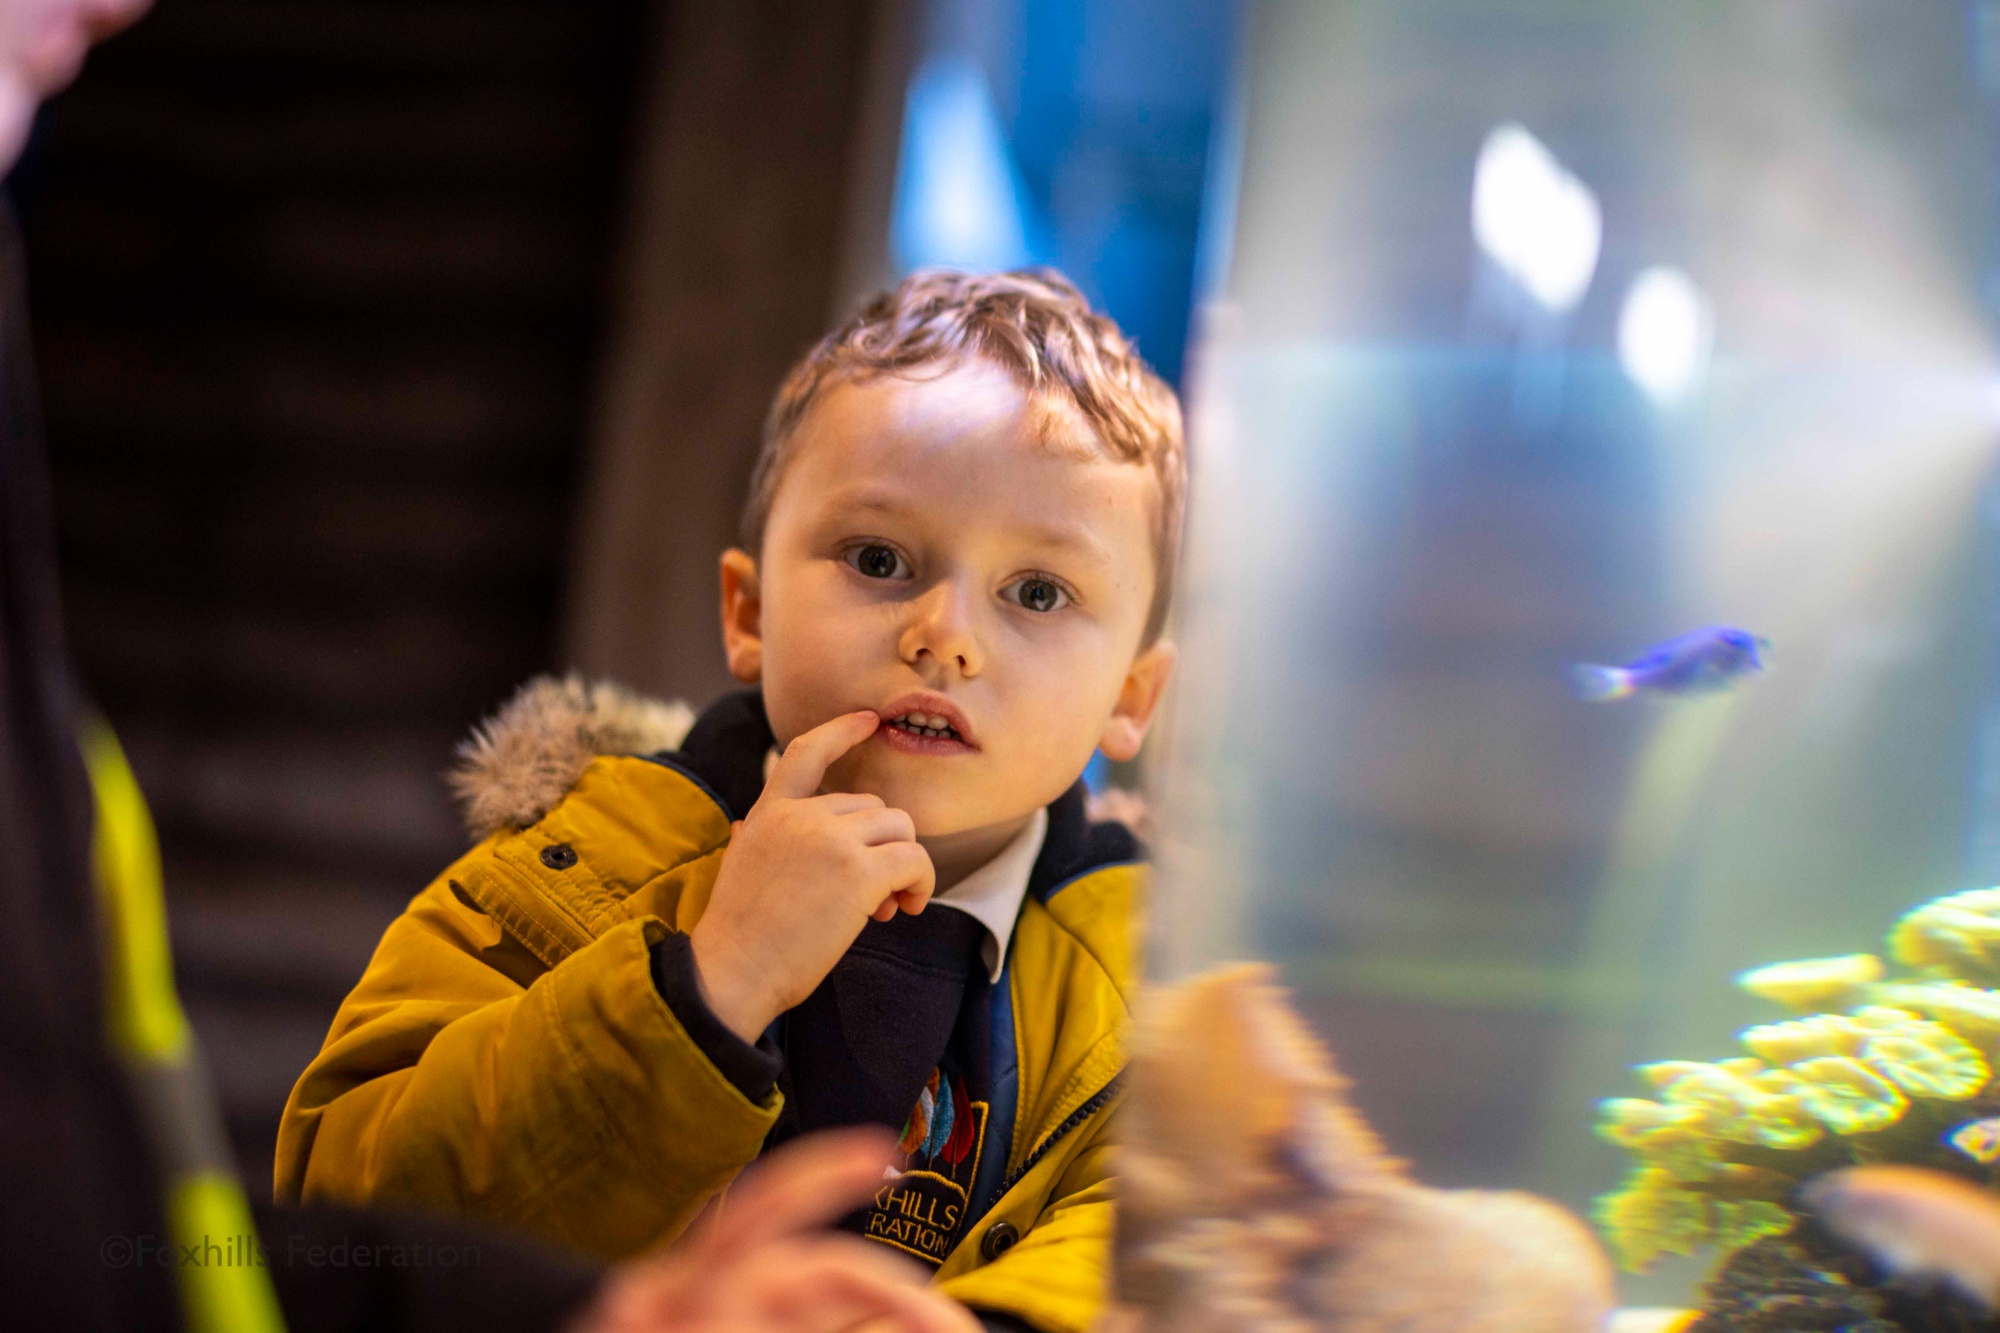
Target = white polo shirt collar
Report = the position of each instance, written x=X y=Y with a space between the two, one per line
x=992 y=894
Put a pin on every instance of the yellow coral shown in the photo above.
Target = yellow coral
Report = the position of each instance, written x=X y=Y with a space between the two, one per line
x=1673 y=1138
x=1653 y=1215
x=1733 y=1225
x=1923 y=1058
x=1737 y=1099
x=1782 y=1120
x=1814 y=983
x=1847 y=1096
x=1804 y=1038
x=1957 y=935
x=1665 y=1073
x=1644 y=1126
x=1693 y=1160
x=1967 y=1010
x=1851 y=1070
x=1727 y=1102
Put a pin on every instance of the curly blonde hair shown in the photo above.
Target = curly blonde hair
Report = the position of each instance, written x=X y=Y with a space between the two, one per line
x=1034 y=324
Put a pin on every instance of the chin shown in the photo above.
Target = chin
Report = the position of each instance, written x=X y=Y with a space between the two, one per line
x=935 y=813
x=934 y=817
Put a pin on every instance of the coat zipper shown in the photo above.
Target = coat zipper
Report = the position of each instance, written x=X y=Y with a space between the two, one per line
x=1082 y=1113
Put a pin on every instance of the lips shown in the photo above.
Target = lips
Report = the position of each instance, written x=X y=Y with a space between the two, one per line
x=926 y=723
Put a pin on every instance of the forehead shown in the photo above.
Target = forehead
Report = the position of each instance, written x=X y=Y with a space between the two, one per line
x=970 y=441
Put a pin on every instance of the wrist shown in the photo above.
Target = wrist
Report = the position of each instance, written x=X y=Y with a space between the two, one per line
x=730 y=986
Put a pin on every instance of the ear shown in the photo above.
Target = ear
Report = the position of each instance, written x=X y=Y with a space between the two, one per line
x=742 y=616
x=1137 y=700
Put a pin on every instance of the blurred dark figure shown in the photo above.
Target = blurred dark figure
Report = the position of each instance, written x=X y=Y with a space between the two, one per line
x=75 y=1161
x=81 y=1173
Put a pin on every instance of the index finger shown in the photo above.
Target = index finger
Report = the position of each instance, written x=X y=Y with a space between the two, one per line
x=803 y=765
x=804 y=1184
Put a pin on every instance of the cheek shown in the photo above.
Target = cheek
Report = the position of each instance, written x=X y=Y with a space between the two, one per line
x=1068 y=698
x=812 y=643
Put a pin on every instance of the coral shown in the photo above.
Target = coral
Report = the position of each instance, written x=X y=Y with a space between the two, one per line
x=1253 y=1197
x=1737 y=1223
x=1955 y=936
x=1926 y=1059
x=1810 y=1281
x=1804 y=1038
x=1967 y=1010
x=1978 y=1139
x=1814 y=983
x=1781 y=1285
x=1847 y=1096
x=1653 y=1216
x=1898 y=1069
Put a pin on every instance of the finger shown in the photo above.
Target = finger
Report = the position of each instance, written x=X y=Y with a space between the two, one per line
x=879 y=825
x=905 y=872
x=886 y=909
x=838 y=803
x=836 y=1282
x=809 y=1181
x=803 y=765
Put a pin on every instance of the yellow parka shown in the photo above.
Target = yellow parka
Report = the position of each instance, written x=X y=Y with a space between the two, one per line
x=507 y=1054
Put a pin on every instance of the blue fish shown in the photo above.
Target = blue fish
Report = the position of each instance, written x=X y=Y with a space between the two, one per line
x=1701 y=662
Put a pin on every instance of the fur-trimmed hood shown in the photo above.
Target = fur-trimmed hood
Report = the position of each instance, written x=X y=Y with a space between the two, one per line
x=520 y=762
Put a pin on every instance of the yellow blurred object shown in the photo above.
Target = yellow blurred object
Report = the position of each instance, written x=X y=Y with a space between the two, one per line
x=1926 y=1059
x=1978 y=1139
x=1971 y=1012
x=1652 y=1319
x=1956 y=936
x=1803 y=1038
x=207 y=1211
x=1813 y=983
x=1900 y=1044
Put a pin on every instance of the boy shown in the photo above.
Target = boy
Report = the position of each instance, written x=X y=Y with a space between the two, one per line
x=956 y=560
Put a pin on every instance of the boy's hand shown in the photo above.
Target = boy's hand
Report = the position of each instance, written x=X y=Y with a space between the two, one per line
x=803 y=874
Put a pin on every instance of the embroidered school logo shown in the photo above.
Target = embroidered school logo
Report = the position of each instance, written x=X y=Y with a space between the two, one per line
x=921 y=1208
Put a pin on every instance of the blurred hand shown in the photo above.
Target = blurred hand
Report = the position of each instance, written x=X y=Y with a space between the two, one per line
x=41 y=48
x=803 y=874
x=758 y=1267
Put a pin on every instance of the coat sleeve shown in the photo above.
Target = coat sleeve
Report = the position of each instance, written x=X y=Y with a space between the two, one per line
x=569 y=1102
x=1057 y=1278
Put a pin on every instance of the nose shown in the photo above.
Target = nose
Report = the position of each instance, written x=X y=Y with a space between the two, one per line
x=940 y=627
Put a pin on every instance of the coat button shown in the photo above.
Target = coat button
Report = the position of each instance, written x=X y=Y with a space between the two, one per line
x=999 y=1239
x=559 y=856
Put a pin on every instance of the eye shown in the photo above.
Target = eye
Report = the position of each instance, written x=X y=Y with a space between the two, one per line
x=1036 y=594
x=876 y=561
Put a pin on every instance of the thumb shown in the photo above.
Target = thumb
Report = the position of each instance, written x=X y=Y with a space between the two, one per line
x=802 y=767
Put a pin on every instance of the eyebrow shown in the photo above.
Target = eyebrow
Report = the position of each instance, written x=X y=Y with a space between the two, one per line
x=1076 y=538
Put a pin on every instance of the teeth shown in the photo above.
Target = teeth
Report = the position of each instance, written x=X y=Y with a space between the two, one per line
x=925 y=724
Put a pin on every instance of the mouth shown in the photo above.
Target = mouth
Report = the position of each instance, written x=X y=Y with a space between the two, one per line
x=926 y=724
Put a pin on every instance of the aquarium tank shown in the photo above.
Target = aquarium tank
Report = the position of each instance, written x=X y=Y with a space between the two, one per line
x=1589 y=702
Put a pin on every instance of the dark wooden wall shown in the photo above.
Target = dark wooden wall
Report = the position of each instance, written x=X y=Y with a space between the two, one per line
x=761 y=183
x=322 y=290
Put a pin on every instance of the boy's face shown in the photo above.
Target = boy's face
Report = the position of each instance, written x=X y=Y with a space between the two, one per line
x=927 y=553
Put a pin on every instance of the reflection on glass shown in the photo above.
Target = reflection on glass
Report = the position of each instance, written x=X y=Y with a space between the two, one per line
x=1551 y=333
